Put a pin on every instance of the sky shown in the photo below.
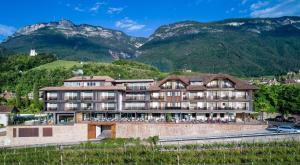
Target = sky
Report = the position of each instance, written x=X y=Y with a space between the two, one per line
x=136 y=17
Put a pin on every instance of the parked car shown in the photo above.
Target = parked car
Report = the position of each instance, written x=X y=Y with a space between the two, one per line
x=287 y=129
x=291 y=119
x=272 y=128
x=279 y=118
x=297 y=126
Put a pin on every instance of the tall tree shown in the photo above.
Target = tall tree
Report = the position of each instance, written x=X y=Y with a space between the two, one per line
x=18 y=97
x=36 y=100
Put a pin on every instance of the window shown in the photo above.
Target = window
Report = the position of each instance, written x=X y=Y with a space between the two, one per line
x=51 y=96
x=207 y=115
x=214 y=115
x=196 y=83
x=87 y=95
x=51 y=106
x=87 y=106
x=169 y=93
x=70 y=96
x=70 y=106
x=222 y=115
x=134 y=105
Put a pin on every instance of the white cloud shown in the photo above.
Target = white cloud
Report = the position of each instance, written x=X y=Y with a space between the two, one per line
x=281 y=8
x=129 y=24
x=6 y=30
x=230 y=10
x=96 y=7
x=114 y=10
x=77 y=8
x=259 y=5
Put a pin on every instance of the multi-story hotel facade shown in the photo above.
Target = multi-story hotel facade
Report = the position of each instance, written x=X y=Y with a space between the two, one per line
x=207 y=97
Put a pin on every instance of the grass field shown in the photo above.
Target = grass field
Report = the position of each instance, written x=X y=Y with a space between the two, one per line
x=134 y=151
x=59 y=64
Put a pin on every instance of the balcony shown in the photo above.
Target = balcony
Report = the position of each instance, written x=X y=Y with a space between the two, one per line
x=179 y=87
x=87 y=108
x=225 y=97
x=201 y=108
x=166 y=87
x=241 y=97
x=198 y=98
x=108 y=108
x=108 y=98
x=71 y=98
x=230 y=108
x=136 y=88
x=135 y=98
x=135 y=108
x=51 y=108
x=157 y=98
x=71 y=108
x=86 y=98
x=52 y=98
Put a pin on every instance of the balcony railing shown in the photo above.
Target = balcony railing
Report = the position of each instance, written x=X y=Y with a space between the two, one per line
x=157 y=98
x=70 y=98
x=87 y=108
x=51 y=108
x=179 y=87
x=71 y=108
x=108 y=108
x=109 y=98
x=135 y=98
x=136 y=88
x=87 y=98
x=52 y=98
x=230 y=108
x=135 y=108
x=198 y=97
x=166 y=87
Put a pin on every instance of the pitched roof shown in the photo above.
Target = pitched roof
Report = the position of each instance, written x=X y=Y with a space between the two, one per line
x=81 y=88
x=134 y=80
x=205 y=78
x=90 y=78
x=184 y=79
x=8 y=109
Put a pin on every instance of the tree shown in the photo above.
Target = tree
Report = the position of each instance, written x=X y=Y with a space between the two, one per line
x=288 y=99
x=18 y=102
x=36 y=100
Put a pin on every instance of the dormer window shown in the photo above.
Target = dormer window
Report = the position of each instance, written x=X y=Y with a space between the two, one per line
x=224 y=83
x=196 y=83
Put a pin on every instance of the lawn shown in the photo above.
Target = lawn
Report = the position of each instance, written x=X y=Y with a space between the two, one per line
x=59 y=64
x=134 y=151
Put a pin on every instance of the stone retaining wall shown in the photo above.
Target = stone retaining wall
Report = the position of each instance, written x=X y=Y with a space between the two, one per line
x=60 y=134
x=144 y=130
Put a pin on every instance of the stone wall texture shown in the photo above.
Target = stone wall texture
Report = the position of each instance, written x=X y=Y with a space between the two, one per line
x=60 y=134
x=144 y=130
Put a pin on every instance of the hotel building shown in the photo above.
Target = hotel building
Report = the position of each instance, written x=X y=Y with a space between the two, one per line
x=207 y=97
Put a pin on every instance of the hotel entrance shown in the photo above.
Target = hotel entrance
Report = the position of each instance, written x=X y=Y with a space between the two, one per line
x=101 y=130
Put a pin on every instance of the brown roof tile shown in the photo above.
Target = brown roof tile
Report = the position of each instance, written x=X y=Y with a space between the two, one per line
x=90 y=78
x=67 y=88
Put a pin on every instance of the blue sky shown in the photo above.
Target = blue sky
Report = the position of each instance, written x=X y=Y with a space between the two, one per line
x=136 y=17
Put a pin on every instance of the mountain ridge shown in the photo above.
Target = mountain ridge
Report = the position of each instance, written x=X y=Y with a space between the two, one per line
x=242 y=46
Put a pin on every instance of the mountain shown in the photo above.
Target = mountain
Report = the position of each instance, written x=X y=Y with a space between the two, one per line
x=244 y=47
x=70 y=41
